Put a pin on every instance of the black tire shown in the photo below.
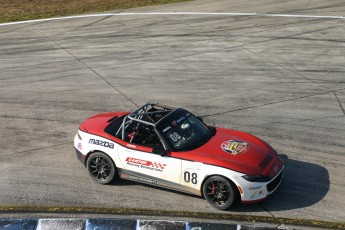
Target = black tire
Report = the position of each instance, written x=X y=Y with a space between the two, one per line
x=220 y=192
x=101 y=168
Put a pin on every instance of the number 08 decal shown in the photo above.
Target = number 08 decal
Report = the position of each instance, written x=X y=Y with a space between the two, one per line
x=190 y=176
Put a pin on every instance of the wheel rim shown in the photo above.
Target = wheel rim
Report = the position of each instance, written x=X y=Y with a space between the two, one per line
x=218 y=193
x=100 y=168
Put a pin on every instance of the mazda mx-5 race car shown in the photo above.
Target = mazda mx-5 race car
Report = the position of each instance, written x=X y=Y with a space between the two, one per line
x=174 y=149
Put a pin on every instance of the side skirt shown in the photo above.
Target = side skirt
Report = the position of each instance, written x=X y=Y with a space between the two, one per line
x=142 y=178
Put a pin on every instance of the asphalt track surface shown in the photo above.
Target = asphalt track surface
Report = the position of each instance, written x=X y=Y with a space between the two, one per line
x=280 y=78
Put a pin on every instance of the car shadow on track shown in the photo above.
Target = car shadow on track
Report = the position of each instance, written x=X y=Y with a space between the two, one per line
x=304 y=184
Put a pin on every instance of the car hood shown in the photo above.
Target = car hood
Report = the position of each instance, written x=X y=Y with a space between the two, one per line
x=237 y=151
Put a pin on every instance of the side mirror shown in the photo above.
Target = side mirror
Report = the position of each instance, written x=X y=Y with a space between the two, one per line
x=159 y=150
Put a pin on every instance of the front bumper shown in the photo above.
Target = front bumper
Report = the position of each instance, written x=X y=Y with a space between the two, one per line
x=273 y=185
x=256 y=192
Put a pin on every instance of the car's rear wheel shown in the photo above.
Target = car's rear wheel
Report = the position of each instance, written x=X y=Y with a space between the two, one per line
x=101 y=168
x=219 y=192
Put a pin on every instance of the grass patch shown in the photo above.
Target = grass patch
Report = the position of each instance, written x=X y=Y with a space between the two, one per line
x=20 y=10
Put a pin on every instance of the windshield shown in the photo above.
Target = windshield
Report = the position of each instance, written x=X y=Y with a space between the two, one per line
x=183 y=131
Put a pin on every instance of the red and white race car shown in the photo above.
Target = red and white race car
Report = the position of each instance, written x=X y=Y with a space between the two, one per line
x=174 y=149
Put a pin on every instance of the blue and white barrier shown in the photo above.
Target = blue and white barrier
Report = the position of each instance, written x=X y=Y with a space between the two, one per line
x=110 y=224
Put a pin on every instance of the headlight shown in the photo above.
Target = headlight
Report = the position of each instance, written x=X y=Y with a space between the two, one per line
x=256 y=178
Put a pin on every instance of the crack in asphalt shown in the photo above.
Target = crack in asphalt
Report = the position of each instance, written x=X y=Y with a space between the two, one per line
x=298 y=74
x=284 y=67
x=89 y=67
x=84 y=26
x=269 y=212
x=272 y=103
x=36 y=65
x=35 y=81
x=341 y=106
x=286 y=100
x=31 y=150
x=33 y=118
x=293 y=36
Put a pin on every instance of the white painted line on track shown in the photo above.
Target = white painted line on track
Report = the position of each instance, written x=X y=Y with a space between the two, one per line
x=177 y=13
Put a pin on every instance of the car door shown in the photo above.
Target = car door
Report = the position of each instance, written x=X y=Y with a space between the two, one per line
x=141 y=164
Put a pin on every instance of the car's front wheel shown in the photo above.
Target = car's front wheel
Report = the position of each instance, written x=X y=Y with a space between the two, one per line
x=219 y=192
x=101 y=168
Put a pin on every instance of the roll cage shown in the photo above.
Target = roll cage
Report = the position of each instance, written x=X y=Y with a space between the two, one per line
x=148 y=114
